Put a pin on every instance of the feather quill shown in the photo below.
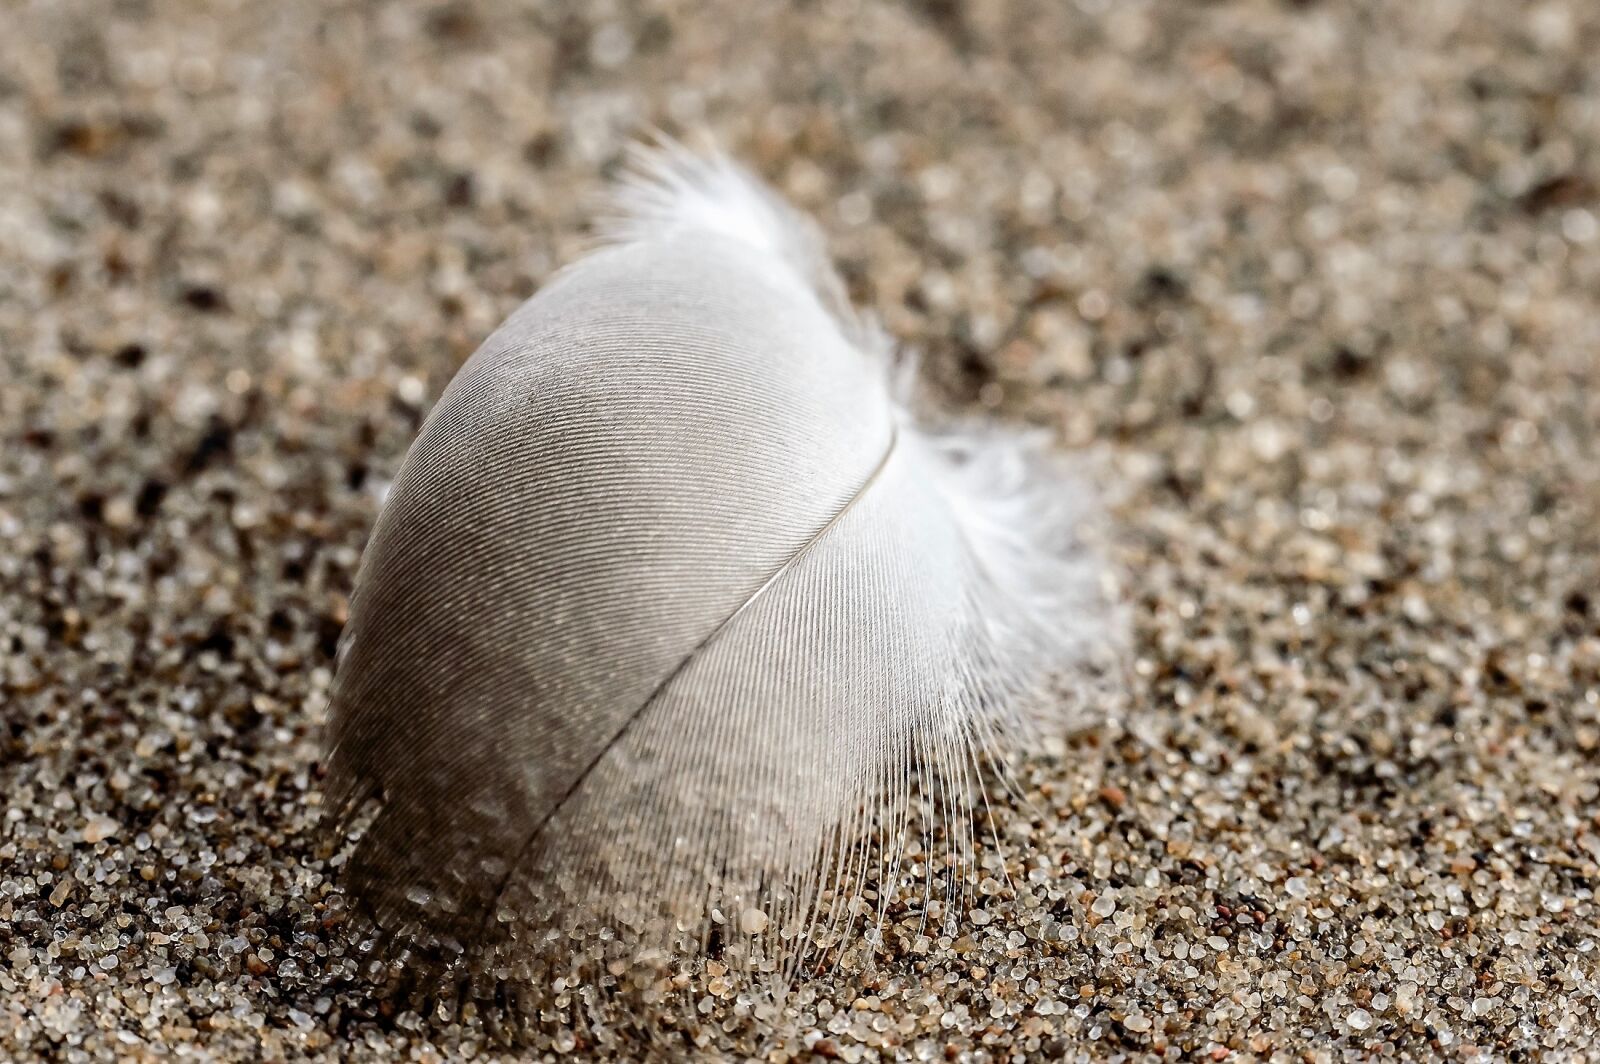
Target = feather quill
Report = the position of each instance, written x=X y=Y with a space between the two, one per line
x=675 y=611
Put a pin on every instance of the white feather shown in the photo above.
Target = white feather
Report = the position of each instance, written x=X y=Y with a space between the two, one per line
x=676 y=611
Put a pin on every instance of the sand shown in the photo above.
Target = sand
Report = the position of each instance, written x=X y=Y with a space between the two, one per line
x=1314 y=287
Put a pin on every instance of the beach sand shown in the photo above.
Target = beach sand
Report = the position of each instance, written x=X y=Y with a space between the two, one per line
x=1313 y=288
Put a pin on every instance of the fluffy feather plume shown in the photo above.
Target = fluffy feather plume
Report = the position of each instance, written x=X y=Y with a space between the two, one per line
x=675 y=614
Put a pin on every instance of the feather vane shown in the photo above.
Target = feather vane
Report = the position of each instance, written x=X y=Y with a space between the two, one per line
x=674 y=607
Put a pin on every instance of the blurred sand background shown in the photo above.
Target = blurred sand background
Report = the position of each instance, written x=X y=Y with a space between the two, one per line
x=1316 y=285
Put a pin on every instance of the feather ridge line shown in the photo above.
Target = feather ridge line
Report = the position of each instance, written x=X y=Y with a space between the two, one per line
x=610 y=744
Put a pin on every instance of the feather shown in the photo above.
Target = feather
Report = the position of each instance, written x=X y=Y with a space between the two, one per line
x=675 y=613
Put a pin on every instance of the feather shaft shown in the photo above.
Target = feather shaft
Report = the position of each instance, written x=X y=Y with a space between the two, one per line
x=644 y=707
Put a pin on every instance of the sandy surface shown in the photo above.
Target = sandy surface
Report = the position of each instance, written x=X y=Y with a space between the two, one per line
x=1317 y=285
